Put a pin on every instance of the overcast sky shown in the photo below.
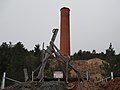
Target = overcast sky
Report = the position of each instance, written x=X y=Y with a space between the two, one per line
x=94 y=23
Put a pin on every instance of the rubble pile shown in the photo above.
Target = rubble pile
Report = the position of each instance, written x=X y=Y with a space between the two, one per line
x=110 y=85
x=93 y=66
x=85 y=85
x=91 y=85
x=51 y=85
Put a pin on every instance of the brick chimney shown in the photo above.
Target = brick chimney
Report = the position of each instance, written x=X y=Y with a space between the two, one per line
x=65 y=31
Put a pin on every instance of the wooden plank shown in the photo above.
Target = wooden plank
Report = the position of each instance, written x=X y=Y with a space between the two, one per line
x=25 y=74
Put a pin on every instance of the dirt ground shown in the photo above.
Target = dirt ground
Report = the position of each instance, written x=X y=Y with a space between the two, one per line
x=51 y=85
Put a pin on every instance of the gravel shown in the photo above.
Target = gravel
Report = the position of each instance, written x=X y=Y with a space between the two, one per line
x=51 y=85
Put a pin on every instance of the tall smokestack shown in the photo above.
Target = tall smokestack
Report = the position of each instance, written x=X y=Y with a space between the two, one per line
x=65 y=32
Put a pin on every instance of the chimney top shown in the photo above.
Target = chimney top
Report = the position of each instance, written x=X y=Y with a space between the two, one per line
x=65 y=8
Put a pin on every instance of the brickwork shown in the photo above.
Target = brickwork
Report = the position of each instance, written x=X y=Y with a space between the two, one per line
x=65 y=32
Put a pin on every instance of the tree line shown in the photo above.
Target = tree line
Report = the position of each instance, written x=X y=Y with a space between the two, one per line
x=14 y=58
